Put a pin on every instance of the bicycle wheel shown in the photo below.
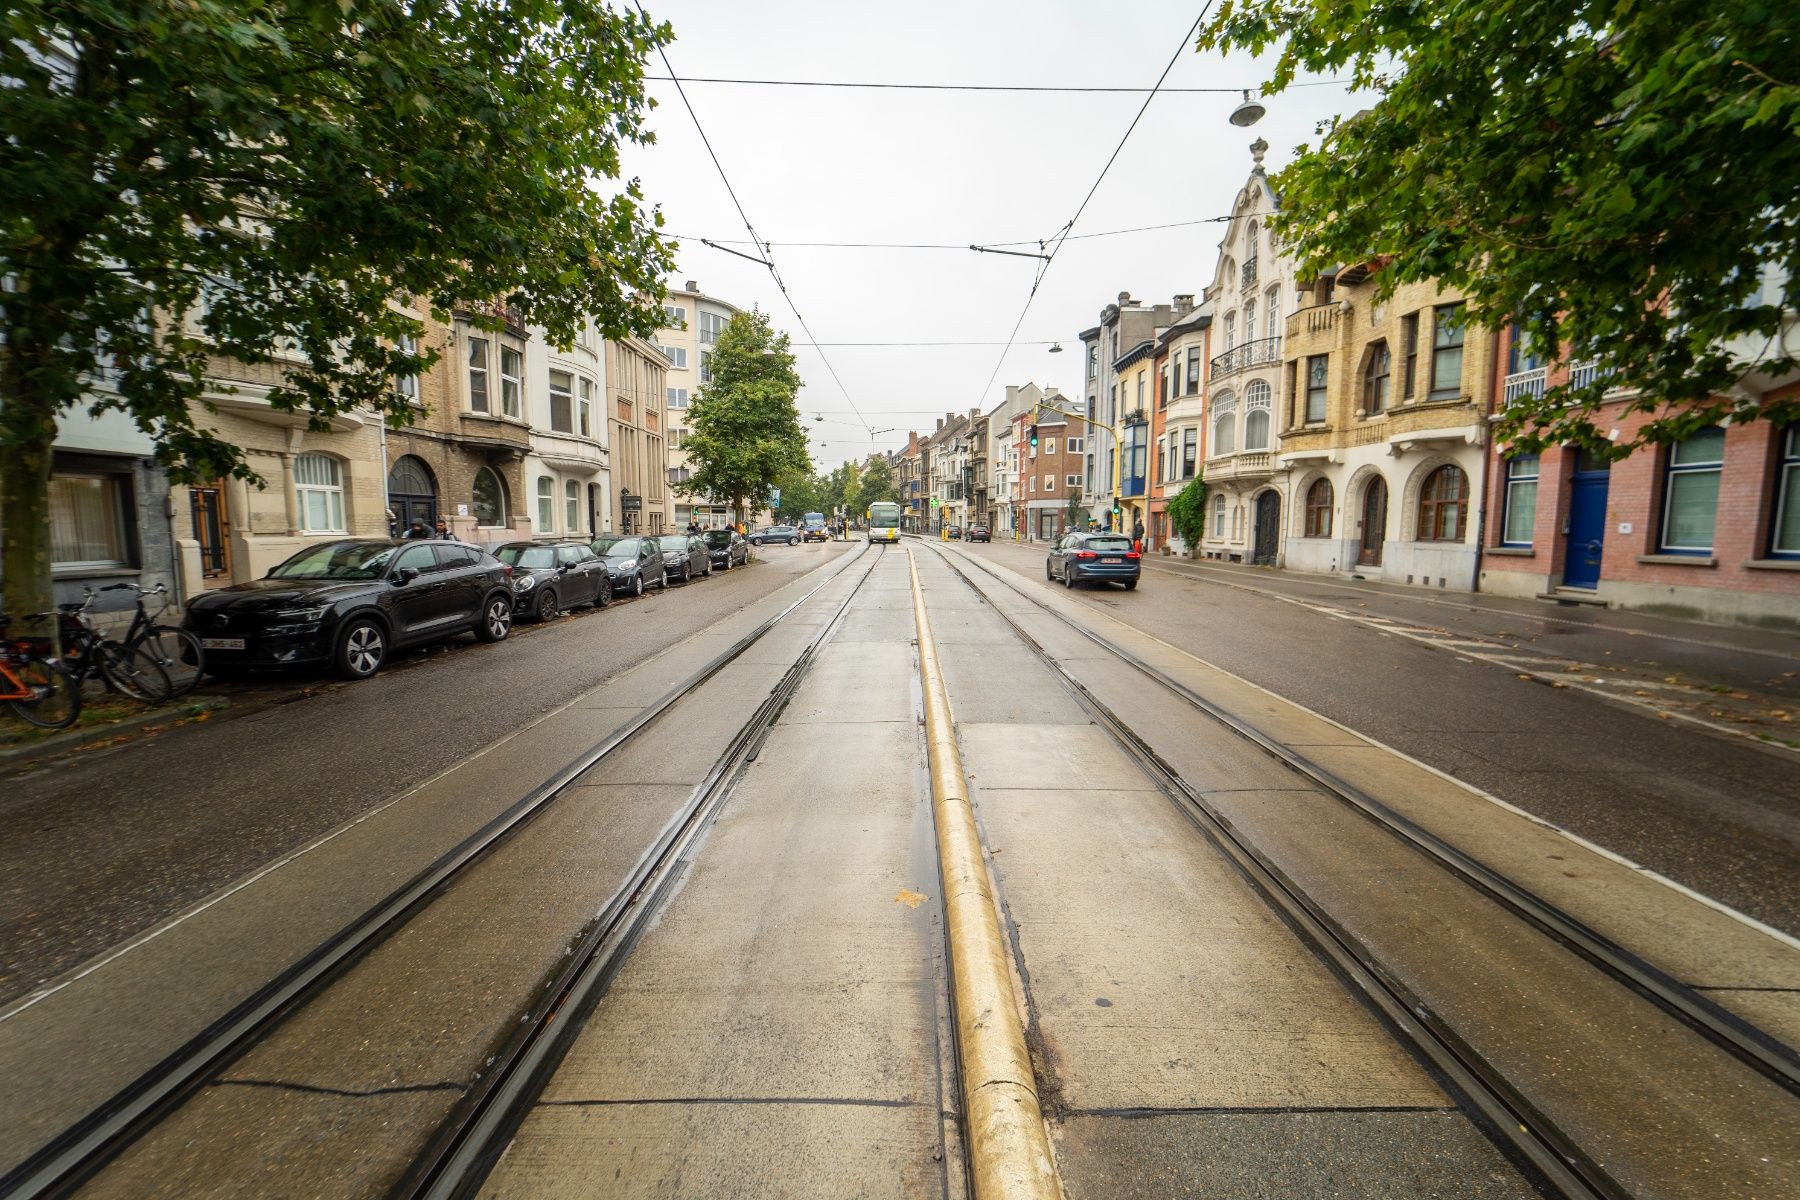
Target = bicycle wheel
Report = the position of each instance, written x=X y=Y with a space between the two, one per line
x=57 y=697
x=178 y=653
x=133 y=671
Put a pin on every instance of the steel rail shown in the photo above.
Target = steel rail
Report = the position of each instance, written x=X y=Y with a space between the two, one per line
x=1508 y=1117
x=471 y=1139
x=1747 y=1042
x=75 y=1155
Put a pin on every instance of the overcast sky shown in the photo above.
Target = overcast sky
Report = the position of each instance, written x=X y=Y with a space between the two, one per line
x=812 y=164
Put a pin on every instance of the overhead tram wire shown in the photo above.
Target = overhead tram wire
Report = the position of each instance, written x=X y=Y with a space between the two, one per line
x=722 y=243
x=757 y=240
x=975 y=87
x=1056 y=241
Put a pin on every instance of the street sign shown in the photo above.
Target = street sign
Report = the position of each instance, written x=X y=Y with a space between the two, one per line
x=631 y=504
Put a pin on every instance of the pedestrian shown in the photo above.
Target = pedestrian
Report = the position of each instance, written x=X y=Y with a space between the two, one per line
x=1137 y=535
x=416 y=532
x=693 y=528
x=443 y=531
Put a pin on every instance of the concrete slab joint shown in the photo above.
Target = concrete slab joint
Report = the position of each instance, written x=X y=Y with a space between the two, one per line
x=1008 y=1144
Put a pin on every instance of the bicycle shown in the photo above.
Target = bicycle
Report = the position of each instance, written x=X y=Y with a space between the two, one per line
x=175 y=650
x=132 y=672
x=34 y=684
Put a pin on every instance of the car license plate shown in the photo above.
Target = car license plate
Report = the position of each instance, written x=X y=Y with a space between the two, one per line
x=1112 y=560
x=221 y=643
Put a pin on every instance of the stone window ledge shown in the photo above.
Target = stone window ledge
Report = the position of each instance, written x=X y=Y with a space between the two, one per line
x=1678 y=560
x=1774 y=564
x=1512 y=551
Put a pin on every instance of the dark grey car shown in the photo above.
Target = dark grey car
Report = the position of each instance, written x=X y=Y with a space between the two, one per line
x=1093 y=557
x=634 y=563
x=726 y=547
x=684 y=556
x=549 y=577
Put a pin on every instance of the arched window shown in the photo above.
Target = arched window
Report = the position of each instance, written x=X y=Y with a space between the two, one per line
x=489 y=496
x=411 y=477
x=1218 y=507
x=1272 y=310
x=319 y=488
x=546 y=500
x=1224 y=440
x=1442 y=504
x=1250 y=241
x=1377 y=366
x=1259 y=400
x=1318 y=509
x=572 y=505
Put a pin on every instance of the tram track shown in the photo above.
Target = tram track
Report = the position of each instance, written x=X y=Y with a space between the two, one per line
x=65 y=1163
x=1508 y=1115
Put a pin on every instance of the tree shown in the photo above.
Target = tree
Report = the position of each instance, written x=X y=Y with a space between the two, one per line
x=263 y=181
x=745 y=432
x=876 y=487
x=1187 y=512
x=1621 y=179
x=800 y=494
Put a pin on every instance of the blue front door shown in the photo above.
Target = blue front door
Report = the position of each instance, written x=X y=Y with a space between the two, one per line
x=1587 y=522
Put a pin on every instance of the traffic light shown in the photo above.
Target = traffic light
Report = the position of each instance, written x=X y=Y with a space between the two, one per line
x=1116 y=510
x=1034 y=436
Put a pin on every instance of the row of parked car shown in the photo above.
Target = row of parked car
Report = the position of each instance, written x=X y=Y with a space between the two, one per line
x=349 y=604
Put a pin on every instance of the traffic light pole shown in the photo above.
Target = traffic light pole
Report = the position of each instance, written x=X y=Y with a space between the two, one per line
x=1118 y=450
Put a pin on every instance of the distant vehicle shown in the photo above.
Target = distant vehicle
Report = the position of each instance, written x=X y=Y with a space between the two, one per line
x=814 y=529
x=955 y=532
x=726 y=548
x=350 y=603
x=776 y=533
x=884 y=522
x=1093 y=557
x=549 y=577
x=633 y=563
x=978 y=533
x=683 y=557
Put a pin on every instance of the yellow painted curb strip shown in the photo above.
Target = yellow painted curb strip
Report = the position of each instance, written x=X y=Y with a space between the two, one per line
x=1008 y=1147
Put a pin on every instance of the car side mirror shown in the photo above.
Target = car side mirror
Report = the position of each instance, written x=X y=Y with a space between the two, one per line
x=406 y=575
x=562 y=568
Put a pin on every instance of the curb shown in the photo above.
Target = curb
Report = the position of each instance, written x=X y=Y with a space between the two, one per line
x=71 y=739
x=1008 y=1145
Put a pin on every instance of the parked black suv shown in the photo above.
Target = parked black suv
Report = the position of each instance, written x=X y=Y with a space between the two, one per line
x=351 y=603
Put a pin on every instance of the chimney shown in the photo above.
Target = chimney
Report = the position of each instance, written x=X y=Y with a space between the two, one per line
x=940 y=427
x=692 y=286
x=1125 y=299
x=1184 y=303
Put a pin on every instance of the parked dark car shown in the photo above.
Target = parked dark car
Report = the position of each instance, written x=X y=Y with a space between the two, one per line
x=550 y=577
x=955 y=532
x=978 y=533
x=351 y=603
x=776 y=533
x=684 y=556
x=1097 y=557
x=726 y=548
x=634 y=563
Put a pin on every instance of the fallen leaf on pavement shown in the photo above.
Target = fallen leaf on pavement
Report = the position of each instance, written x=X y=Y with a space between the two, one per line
x=910 y=899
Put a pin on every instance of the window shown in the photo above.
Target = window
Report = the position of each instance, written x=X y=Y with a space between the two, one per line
x=1409 y=332
x=711 y=326
x=1691 y=492
x=546 y=498
x=1193 y=370
x=1315 y=387
x=1049 y=483
x=1093 y=360
x=562 y=402
x=1259 y=403
x=1225 y=424
x=1190 y=446
x=1376 y=368
x=572 y=505
x=1249 y=320
x=1072 y=481
x=584 y=423
x=478 y=374
x=1442 y=503
x=489 y=496
x=407 y=386
x=677 y=315
x=1318 y=509
x=677 y=355
x=1140 y=389
x=1520 y=500
x=1785 y=542
x=705 y=366
x=319 y=489
x=1230 y=330
x=512 y=381
x=87 y=521
x=1272 y=311
x=1218 y=507
x=1446 y=351
x=1034 y=485
x=422 y=559
x=1074 y=445
x=1049 y=445
x=678 y=398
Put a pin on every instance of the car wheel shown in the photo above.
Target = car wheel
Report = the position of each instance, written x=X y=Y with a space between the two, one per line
x=1069 y=577
x=687 y=572
x=1131 y=585
x=1048 y=573
x=637 y=584
x=545 y=609
x=496 y=620
x=793 y=541
x=603 y=597
x=361 y=649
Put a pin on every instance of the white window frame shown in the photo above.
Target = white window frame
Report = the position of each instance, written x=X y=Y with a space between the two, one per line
x=330 y=493
x=512 y=384
x=1074 y=445
x=1071 y=481
x=407 y=386
x=1673 y=471
x=1515 y=483
x=1049 y=445
x=567 y=393
x=571 y=505
x=677 y=316
x=546 y=504
x=584 y=416
x=482 y=372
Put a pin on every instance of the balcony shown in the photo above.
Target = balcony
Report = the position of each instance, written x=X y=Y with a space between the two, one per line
x=1521 y=385
x=1249 y=467
x=1249 y=271
x=1586 y=372
x=1131 y=486
x=1260 y=353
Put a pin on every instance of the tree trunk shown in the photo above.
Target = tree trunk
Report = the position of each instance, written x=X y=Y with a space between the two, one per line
x=27 y=433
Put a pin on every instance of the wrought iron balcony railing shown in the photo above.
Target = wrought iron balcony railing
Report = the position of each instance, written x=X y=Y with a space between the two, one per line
x=1262 y=352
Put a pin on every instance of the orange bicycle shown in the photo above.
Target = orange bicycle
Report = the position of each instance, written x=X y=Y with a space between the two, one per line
x=34 y=683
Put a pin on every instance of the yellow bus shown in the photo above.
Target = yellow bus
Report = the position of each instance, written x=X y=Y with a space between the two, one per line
x=884 y=522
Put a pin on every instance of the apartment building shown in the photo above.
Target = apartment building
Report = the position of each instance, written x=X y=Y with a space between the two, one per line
x=1052 y=473
x=567 y=467
x=1184 y=351
x=695 y=321
x=637 y=433
x=1124 y=324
